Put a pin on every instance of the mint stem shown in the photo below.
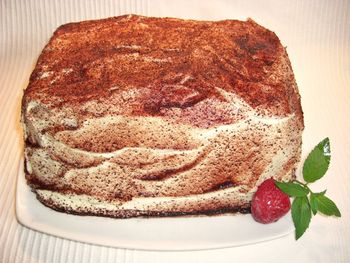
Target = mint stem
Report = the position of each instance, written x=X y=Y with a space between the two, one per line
x=303 y=184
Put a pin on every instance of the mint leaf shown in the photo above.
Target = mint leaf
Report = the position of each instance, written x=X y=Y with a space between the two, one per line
x=313 y=203
x=292 y=189
x=326 y=206
x=316 y=164
x=301 y=214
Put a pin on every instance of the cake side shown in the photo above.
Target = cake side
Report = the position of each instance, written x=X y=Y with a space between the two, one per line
x=133 y=116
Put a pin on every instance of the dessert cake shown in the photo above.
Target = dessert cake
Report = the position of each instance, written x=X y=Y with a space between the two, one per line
x=141 y=116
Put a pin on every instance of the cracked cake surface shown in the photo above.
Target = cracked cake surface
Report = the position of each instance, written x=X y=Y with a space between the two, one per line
x=142 y=116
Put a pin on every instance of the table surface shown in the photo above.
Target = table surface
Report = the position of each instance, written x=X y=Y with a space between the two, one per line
x=317 y=36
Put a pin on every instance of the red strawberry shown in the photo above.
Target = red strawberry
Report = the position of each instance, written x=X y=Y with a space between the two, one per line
x=269 y=203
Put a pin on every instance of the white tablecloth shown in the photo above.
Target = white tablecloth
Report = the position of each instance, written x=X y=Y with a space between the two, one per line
x=317 y=36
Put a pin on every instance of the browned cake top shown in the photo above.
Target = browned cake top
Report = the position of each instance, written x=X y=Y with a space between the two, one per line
x=173 y=63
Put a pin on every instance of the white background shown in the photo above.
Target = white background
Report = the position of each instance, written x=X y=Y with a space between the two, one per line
x=317 y=36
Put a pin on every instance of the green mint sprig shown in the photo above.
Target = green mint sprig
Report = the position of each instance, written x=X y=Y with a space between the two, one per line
x=307 y=203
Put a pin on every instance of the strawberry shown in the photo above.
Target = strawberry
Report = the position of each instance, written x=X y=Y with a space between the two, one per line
x=269 y=203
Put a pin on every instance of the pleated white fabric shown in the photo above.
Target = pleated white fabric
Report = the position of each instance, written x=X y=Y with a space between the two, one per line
x=317 y=36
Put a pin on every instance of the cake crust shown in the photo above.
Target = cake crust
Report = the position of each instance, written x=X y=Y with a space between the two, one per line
x=143 y=116
x=90 y=60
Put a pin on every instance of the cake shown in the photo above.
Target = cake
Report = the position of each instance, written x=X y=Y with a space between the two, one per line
x=141 y=116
